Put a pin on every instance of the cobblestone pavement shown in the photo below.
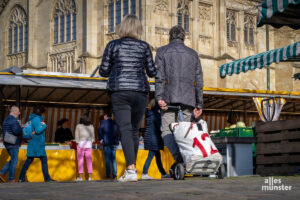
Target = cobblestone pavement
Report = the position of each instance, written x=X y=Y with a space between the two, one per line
x=190 y=188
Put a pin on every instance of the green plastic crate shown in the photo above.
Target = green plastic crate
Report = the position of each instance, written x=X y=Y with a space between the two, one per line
x=236 y=132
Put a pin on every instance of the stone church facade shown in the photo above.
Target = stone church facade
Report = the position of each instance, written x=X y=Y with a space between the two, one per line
x=70 y=35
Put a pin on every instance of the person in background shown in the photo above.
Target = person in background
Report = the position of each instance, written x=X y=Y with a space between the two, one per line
x=107 y=134
x=126 y=61
x=11 y=126
x=63 y=134
x=84 y=137
x=36 y=146
x=153 y=141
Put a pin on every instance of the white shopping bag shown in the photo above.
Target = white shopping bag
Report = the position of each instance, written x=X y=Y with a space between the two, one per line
x=193 y=140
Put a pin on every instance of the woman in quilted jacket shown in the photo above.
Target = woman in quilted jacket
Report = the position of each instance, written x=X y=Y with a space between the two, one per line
x=125 y=62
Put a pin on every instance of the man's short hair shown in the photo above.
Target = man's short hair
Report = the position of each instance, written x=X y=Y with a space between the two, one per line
x=13 y=108
x=177 y=32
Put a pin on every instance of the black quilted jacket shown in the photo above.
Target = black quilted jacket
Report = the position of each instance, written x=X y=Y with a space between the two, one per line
x=126 y=61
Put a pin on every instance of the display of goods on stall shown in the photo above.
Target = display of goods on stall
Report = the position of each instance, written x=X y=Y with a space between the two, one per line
x=236 y=132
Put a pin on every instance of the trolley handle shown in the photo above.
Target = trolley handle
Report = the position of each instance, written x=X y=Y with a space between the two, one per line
x=178 y=108
x=174 y=107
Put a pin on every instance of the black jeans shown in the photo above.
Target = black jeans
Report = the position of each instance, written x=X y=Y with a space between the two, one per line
x=128 y=108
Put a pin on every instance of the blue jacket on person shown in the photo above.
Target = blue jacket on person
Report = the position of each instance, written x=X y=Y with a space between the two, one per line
x=108 y=132
x=12 y=126
x=152 y=139
x=36 y=146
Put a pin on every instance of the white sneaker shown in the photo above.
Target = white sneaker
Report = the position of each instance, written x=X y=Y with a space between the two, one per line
x=79 y=179
x=90 y=179
x=128 y=176
x=146 y=177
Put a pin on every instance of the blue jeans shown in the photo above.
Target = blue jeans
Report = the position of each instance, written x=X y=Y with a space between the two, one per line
x=44 y=168
x=110 y=156
x=12 y=164
x=158 y=162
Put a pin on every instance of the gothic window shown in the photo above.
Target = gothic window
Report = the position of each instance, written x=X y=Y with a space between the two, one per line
x=68 y=27
x=186 y=19
x=10 y=40
x=140 y=10
x=116 y=12
x=179 y=13
x=62 y=28
x=26 y=36
x=133 y=7
x=56 y=30
x=183 y=14
x=21 y=38
x=231 y=25
x=249 y=30
x=74 y=26
x=125 y=7
x=17 y=39
x=111 y=16
x=64 y=21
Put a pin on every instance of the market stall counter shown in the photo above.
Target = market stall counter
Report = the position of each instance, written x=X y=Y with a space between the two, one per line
x=62 y=163
x=237 y=154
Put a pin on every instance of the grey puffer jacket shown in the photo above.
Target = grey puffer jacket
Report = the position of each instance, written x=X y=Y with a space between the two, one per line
x=125 y=61
x=179 y=75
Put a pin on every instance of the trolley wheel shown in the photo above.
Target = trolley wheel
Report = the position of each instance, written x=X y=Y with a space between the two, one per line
x=221 y=172
x=179 y=172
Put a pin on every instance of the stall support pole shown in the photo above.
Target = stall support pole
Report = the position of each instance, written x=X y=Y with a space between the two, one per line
x=267 y=48
x=245 y=112
x=18 y=96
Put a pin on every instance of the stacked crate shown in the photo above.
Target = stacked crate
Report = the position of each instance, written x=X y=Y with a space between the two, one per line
x=278 y=147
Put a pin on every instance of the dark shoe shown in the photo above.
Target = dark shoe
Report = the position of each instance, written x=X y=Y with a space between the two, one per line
x=22 y=181
x=2 y=178
x=166 y=176
x=12 y=181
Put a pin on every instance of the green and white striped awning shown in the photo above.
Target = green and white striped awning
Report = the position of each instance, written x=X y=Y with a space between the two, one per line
x=278 y=13
x=260 y=60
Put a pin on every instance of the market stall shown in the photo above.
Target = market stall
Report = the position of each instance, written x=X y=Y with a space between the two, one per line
x=70 y=95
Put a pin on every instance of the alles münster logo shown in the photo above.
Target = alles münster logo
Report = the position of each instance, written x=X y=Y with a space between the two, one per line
x=275 y=184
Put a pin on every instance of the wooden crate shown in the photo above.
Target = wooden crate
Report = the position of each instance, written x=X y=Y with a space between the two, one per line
x=278 y=147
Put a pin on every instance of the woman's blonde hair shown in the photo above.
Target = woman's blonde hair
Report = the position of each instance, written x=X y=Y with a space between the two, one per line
x=130 y=27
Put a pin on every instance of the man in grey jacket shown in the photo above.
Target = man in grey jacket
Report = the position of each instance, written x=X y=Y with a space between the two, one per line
x=178 y=81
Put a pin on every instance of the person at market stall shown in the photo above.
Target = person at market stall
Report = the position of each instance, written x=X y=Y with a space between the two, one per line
x=153 y=141
x=63 y=134
x=108 y=136
x=126 y=61
x=12 y=127
x=36 y=145
x=84 y=137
